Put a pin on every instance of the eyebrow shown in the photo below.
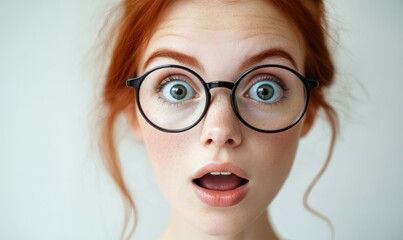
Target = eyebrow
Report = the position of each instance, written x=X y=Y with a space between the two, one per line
x=180 y=57
x=192 y=61
x=267 y=54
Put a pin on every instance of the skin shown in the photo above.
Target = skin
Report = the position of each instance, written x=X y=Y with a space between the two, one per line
x=221 y=36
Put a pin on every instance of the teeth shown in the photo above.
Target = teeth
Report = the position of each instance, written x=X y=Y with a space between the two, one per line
x=221 y=173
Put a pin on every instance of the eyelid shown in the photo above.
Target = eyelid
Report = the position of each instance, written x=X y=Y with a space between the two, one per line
x=172 y=78
x=266 y=77
x=279 y=83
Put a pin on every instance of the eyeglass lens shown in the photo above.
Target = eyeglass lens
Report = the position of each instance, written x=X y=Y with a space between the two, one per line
x=267 y=98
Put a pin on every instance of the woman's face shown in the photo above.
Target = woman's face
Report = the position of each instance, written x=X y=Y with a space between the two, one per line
x=220 y=40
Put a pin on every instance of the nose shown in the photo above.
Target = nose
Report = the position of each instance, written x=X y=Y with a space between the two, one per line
x=221 y=128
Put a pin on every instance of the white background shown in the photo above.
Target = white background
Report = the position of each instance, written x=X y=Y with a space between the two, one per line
x=53 y=186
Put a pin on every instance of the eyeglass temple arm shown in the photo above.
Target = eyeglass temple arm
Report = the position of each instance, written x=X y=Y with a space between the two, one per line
x=133 y=82
x=310 y=84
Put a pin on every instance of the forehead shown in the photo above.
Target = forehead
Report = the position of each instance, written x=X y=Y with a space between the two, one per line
x=232 y=29
x=221 y=14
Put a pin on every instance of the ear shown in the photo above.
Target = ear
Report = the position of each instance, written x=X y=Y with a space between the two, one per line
x=131 y=116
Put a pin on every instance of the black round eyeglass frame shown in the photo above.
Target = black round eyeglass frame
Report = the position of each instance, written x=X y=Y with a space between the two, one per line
x=137 y=81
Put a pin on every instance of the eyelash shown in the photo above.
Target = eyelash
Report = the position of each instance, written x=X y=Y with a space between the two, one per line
x=168 y=79
x=271 y=78
x=158 y=88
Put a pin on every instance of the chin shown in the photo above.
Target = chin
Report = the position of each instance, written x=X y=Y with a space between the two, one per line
x=221 y=229
x=223 y=224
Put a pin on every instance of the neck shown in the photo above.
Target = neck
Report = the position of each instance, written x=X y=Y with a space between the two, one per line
x=179 y=229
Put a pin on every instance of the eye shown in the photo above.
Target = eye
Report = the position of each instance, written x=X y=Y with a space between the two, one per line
x=177 y=91
x=266 y=91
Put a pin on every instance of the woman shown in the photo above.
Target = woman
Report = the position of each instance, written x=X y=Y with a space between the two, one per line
x=223 y=92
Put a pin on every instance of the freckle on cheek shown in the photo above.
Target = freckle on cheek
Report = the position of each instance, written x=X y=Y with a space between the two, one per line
x=164 y=145
x=278 y=147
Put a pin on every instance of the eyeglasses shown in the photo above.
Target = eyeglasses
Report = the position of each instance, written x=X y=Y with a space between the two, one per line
x=266 y=98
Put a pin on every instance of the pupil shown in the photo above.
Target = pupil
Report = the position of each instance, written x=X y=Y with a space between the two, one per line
x=178 y=92
x=265 y=92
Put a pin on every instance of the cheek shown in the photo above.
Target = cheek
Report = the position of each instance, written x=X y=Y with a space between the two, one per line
x=160 y=146
x=278 y=150
x=166 y=154
x=274 y=156
x=162 y=149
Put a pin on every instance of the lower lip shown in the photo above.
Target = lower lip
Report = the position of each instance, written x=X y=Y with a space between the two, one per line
x=216 y=198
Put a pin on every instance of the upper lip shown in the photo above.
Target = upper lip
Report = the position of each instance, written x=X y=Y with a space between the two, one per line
x=220 y=167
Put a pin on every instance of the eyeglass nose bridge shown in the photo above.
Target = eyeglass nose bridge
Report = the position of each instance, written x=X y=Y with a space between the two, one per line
x=223 y=84
x=216 y=84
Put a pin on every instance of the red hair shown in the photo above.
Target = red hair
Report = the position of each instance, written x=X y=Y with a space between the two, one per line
x=130 y=35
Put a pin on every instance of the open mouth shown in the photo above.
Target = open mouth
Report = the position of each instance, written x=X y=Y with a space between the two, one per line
x=221 y=184
x=220 y=181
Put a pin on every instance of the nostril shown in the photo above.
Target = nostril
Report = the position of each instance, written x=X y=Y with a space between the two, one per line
x=231 y=141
